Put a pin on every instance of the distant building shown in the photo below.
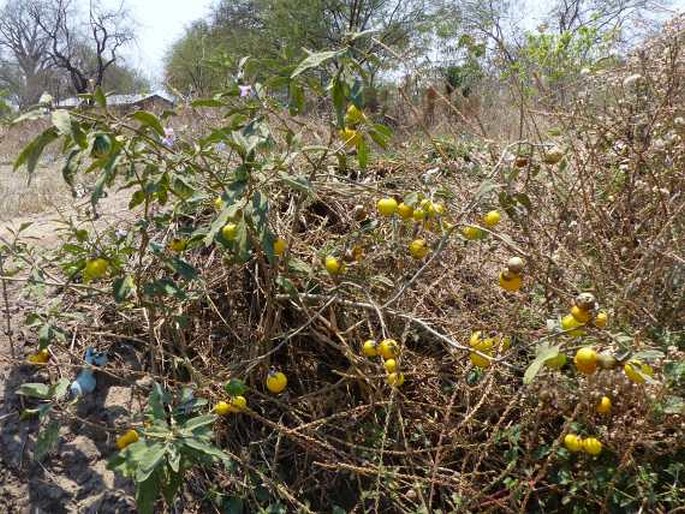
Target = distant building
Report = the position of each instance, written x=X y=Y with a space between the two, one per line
x=157 y=101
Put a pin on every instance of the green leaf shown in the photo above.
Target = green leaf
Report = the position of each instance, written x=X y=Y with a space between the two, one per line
x=315 y=60
x=61 y=119
x=47 y=440
x=649 y=355
x=34 y=390
x=146 y=495
x=235 y=387
x=297 y=183
x=363 y=152
x=100 y=98
x=59 y=390
x=150 y=460
x=158 y=399
x=148 y=119
x=31 y=153
x=123 y=288
x=543 y=353
x=208 y=450
x=198 y=422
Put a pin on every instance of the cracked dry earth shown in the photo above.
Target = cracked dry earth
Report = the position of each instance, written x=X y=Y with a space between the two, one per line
x=73 y=478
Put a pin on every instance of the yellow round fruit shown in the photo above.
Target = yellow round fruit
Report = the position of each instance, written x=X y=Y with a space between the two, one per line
x=482 y=344
x=636 y=371
x=333 y=265
x=586 y=360
x=580 y=315
x=604 y=405
x=419 y=215
x=222 y=408
x=418 y=249
x=510 y=281
x=592 y=446
x=571 y=324
x=40 y=357
x=475 y=337
x=492 y=218
x=127 y=438
x=95 y=268
x=556 y=362
x=440 y=208
x=405 y=211
x=601 y=319
x=395 y=379
x=390 y=365
x=472 y=233
x=238 y=404
x=351 y=137
x=479 y=361
x=388 y=349
x=370 y=348
x=219 y=203
x=573 y=443
x=276 y=381
x=229 y=231
x=280 y=246
x=387 y=206
x=178 y=245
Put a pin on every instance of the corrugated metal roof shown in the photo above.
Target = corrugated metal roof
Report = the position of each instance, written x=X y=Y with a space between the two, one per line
x=119 y=100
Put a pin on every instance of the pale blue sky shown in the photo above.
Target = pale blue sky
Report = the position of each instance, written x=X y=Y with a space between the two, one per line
x=161 y=22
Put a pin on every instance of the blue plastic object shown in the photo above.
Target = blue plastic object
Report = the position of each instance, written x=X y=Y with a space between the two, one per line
x=85 y=381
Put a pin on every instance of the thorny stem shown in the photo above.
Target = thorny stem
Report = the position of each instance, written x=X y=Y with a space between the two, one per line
x=5 y=298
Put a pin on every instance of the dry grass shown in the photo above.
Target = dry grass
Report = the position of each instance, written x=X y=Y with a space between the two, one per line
x=19 y=197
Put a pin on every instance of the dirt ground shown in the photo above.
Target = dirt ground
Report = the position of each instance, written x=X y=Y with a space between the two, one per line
x=74 y=478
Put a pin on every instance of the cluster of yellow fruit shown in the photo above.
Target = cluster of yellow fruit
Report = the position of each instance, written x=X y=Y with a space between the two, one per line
x=587 y=360
x=129 y=437
x=591 y=445
x=511 y=279
x=354 y=117
x=234 y=404
x=583 y=312
x=40 y=357
x=424 y=210
x=490 y=219
x=487 y=346
x=389 y=350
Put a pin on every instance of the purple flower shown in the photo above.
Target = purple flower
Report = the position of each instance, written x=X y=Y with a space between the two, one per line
x=220 y=146
x=169 y=137
x=245 y=90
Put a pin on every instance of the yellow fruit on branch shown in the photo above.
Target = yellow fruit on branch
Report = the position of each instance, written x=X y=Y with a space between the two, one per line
x=492 y=218
x=478 y=360
x=370 y=348
x=573 y=443
x=95 y=268
x=482 y=344
x=237 y=404
x=229 y=231
x=333 y=265
x=222 y=408
x=388 y=349
x=580 y=315
x=510 y=281
x=586 y=360
x=390 y=365
x=127 y=438
x=276 y=381
x=354 y=116
x=405 y=211
x=592 y=446
x=638 y=371
x=601 y=319
x=280 y=246
x=570 y=325
x=419 y=215
x=387 y=206
x=418 y=249
x=219 y=203
x=553 y=155
x=472 y=233
x=40 y=357
x=395 y=379
x=604 y=405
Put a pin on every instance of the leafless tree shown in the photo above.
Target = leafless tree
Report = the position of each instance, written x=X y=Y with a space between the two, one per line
x=83 y=49
x=25 y=63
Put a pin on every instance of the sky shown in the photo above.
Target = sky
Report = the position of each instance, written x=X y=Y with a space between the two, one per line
x=162 y=22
